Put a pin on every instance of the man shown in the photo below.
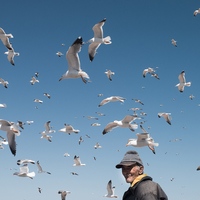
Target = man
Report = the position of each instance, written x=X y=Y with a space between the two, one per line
x=142 y=187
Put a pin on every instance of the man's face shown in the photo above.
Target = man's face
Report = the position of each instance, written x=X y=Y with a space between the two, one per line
x=131 y=172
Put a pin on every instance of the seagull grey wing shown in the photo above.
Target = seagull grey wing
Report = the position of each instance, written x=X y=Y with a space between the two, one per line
x=109 y=127
x=97 y=28
x=4 y=122
x=46 y=125
x=109 y=186
x=39 y=167
x=77 y=160
x=142 y=136
x=68 y=127
x=10 y=59
x=128 y=119
x=6 y=42
x=143 y=129
x=92 y=50
x=72 y=55
x=11 y=141
x=181 y=77
x=63 y=195
x=103 y=102
x=181 y=88
x=24 y=169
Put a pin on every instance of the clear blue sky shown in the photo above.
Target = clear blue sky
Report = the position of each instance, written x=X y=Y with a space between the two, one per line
x=141 y=33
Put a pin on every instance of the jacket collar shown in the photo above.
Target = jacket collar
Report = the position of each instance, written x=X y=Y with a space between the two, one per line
x=138 y=179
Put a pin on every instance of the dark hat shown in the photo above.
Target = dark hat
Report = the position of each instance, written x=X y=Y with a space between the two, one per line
x=130 y=158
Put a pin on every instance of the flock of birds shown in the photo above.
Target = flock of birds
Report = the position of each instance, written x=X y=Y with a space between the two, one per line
x=75 y=71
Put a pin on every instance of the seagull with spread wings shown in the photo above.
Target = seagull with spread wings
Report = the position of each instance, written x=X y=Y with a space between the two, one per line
x=77 y=162
x=24 y=172
x=40 y=168
x=110 y=190
x=182 y=83
x=5 y=39
x=69 y=129
x=112 y=98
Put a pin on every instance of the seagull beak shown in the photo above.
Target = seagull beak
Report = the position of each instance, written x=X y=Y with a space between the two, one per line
x=126 y=145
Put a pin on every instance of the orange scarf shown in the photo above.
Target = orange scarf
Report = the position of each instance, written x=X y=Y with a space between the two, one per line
x=138 y=179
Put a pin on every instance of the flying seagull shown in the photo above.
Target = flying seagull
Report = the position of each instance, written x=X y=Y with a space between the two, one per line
x=112 y=98
x=126 y=122
x=34 y=80
x=166 y=116
x=77 y=162
x=182 y=83
x=196 y=12
x=74 y=69
x=109 y=73
x=63 y=194
x=4 y=83
x=11 y=53
x=145 y=71
x=40 y=169
x=98 y=39
x=69 y=129
x=174 y=42
x=4 y=38
x=24 y=172
x=110 y=190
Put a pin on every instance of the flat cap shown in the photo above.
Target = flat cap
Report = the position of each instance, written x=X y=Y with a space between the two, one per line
x=130 y=158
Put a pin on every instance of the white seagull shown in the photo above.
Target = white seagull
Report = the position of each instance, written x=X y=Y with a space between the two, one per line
x=12 y=130
x=112 y=98
x=191 y=96
x=166 y=116
x=29 y=122
x=110 y=190
x=126 y=122
x=34 y=80
x=91 y=117
x=45 y=136
x=24 y=172
x=74 y=69
x=63 y=194
x=59 y=54
x=3 y=142
x=97 y=146
x=4 y=38
x=196 y=12
x=182 y=83
x=98 y=39
x=69 y=129
x=47 y=95
x=147 y=71
x=36 y=74
x=100 y=114
x=22 y=161
x=37 y=101
x=3 y=105
x=95 y=124
x=40 y=169
x=174 y=42
x=11 y=53
x=77 y=162
x=109 y=73
x=4 y=83
x=47 y=128
x=138 y=101
x=66 y=155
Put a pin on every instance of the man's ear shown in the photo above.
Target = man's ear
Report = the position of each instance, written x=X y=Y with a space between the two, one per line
x=141 y=169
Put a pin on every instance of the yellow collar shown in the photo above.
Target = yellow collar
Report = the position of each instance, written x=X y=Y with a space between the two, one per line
x=138 y=179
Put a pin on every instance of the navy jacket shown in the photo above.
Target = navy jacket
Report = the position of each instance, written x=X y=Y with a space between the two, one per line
x=145 y=189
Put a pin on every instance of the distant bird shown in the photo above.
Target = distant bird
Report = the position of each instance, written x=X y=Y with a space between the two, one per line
x=5 y=38
x=11 y=53
x=91 y=117
x=63 y=194
x=47 y=128
x=3 y=105
x=198 y=168
x=182 y=83
x=47 y=95
x=97 y=146
x=176 y=140
x=138 y=101
x=37 y=101
x=4 y=83
x=34 y=80
x=69 y=129
x=174 y=42
x=3 y=142
x=40 y=169
x=39 y=189
x=74 y=69
x=110 y=190
x=143 y=139
x=20 y=124
x=37 y=74
x=94 y=158
x=100 y=95
x=29 y=122
x=24 y=161
x=74 y=173
x=112 y=98
x=166 y=116
x=126 y=122
x=100 y=114
x=45 y=136
x=59 y=54
x=147 y=71
x=63 y=44
x=196 y=12
x=66 y=155
x=134 y=109
x=143 y=122
x=191 y=96
x=87 y=136
x=171 y=179
x=80 y=140
x=98 y=39
x=109 y=73
x=77 y=162
x=95 y=124
x=24 y=172
x=155 y=75
x=142 y=113
x=12 y=130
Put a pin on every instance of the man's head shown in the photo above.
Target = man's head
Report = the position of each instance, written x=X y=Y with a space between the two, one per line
x=132 y=166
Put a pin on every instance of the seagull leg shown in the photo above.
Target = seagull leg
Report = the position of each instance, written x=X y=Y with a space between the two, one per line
x=85 y=81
